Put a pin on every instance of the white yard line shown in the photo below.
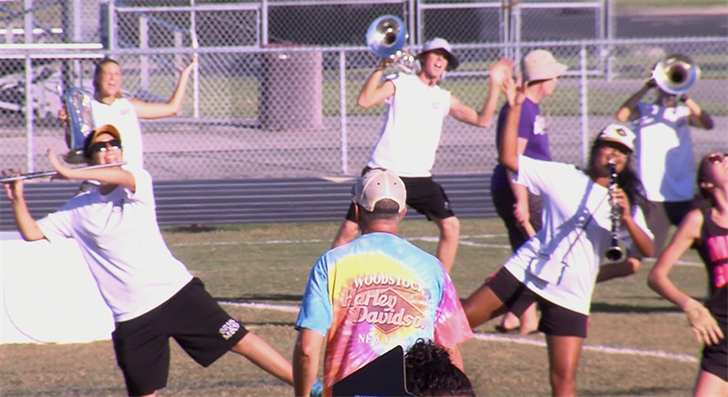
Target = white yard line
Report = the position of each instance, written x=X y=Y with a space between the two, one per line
x=464 y=240
x=596 y=348
x=264 y=242
x=500 y=338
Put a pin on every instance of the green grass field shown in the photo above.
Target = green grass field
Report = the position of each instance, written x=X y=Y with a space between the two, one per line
x=638 y=344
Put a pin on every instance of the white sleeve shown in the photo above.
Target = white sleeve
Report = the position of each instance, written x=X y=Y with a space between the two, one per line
x=541 y=176
x=446 y=101
x=58 y=225
x=624 y=237
x=644 y=108
x=144 y=190
x=398 y=82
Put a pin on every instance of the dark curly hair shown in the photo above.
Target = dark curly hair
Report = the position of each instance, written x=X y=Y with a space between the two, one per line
x=430 y=373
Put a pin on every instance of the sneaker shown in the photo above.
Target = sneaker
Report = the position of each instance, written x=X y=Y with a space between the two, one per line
x=318 y=389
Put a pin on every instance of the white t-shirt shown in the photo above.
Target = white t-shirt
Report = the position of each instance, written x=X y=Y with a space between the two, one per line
x=664 y=152
x=412 y=126
x=120 y=240
x=122 y=115
x=569 y=197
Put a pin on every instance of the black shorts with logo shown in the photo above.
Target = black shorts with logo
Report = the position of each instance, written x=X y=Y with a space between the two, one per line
x=424 y=195
x=555 y=320
x=192 y=317
x=715 y=357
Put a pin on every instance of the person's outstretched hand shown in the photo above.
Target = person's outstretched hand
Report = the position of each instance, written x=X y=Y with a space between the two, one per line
x=500 y=71
x=704 y=326
x=14 y=189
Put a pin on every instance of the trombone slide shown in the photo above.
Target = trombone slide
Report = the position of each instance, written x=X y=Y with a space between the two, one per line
x=44 y=174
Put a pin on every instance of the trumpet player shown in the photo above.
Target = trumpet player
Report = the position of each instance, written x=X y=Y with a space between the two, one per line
x=559 y=266
x=416 y=108
x=664 y=149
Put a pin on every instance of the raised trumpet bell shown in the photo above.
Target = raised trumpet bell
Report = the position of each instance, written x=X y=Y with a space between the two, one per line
x=676 y=74
x=386 y=36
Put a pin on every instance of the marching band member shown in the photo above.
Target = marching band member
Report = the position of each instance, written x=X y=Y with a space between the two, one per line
x=707 y=230
x=664 y=154
x=416 y=108
x=519 y=209
x=110 y=107
x=151 y=294
x=559 y=266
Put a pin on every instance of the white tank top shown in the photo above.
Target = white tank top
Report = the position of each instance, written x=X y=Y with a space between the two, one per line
x=412 y=127
x=664 y=152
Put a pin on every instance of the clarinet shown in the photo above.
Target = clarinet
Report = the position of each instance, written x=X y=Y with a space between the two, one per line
x=614 y=253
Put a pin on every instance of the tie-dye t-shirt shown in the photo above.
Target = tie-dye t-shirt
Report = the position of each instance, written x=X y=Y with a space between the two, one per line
x=375 y=293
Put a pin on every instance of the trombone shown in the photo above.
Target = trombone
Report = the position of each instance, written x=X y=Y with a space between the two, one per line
x=44 y=174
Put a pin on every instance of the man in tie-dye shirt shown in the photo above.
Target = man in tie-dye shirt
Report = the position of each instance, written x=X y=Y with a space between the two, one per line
x=375 y=293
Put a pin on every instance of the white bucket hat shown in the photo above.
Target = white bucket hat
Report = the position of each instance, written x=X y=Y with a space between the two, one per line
x=441 y=44
x=541 y=65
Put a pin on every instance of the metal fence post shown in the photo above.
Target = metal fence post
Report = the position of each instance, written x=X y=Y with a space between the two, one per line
x=112 y=25
x=343 y=112
x=412 y=21
x=420 y=23
x=28 y=31
x=29 y=113
x=196 y=70
x=144 y=44
x=611 y=30
x=263 y=23
x=583 y=81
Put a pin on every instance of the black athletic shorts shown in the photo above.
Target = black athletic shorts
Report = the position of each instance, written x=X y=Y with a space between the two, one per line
x=192 y=317
x=715 y=357
x=424 y=195
x=555 y=320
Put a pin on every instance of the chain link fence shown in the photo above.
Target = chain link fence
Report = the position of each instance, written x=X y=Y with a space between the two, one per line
x=274 y=94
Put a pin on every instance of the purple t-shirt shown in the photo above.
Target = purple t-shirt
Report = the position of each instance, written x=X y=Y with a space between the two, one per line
x=531 y=127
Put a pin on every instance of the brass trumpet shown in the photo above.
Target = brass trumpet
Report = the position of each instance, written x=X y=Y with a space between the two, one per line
x=676 y=74
x=386 y=38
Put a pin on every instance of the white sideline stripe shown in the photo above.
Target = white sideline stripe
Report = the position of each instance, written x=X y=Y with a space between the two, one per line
x=498 y=338
x=463 y=241
x=248 y=242
x=253 y=305
x=596 y=348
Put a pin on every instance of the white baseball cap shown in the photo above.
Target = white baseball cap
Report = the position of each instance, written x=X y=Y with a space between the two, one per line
x=376 y=185
x=541 y=65
x=619 y=134
x=441 y=44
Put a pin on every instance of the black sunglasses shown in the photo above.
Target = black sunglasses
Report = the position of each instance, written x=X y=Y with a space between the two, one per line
x=99 y=147
x=716 y=157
